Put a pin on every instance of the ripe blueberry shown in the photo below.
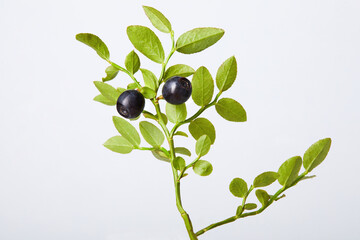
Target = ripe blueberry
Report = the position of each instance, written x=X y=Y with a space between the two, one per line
x=130 y=104
x=177 y=90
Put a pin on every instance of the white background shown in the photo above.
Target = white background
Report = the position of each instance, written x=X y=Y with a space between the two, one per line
x=298 y=79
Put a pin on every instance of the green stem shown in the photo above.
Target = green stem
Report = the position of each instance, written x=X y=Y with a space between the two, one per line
x=173 y=49
x=127 y=72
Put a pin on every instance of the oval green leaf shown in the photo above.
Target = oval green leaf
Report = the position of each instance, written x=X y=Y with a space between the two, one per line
x=150 y=79
x=161 y=155
x=132 y=62
x=107 y=91
x=201 y=126
x=151 y=134
x=148 y=92
x=265 y=179
x=132 y=86
x=119 y=144
x=238 y=187
x=198 y=39
x=157 y=19
x=202 y=146
x=226 y=74
x=127 y=130
x=289 y=171
x=230 y=110
x=250 y=206
x=239 y=210
x=203 y=168
x=183 y=151
x=262 y=196
x=179 y=70
x=202 y=87
x=164 y=118
x=102 y=99
x=176 y=113
x=111 y=73
x=146 y=42
x=95 y=43
x=180 y=133
x=179 y=163
x=316 y=153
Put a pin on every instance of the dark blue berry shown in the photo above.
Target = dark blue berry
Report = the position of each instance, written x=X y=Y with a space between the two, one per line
x=130 y=104
x=177 y=90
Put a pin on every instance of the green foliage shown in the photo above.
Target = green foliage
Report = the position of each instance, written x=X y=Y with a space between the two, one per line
x=265 y=179
x=119 y=144
x=201 y=126
x=203 y=168
x=230 y=110
x=102 y=99
x=238 y=187
x=239 y=210
x=202 y=146
x=146 y=42
x=157 y=19
x=198 y=39
x=202 y=86
x=161 y=155
x=316 y=153
x=148 y=92
x=131 y=86
x=176 y=113
x=289 y=171
x=226 y=74
x=132 y=62
x=180 y=70
x=250 y=206
x=180 y=133
x=111 y=73
x=183 y=151
x=127 y=131
x=151 y=134
x=149 y=78
x=107 y=91
x=179 y=163
x=95 y=43
x=262 y=196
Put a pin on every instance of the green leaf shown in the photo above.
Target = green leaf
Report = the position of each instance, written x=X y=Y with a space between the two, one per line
x=265 y=179
x=203 y=168
x=198 y=39
x=127 y=130
x=157 y=19
x=161 y=155
x=165 y=119
x=102 y=99
x=202 y=86
x=179 y=70
x=95 y=43
x=111 y=73
x=132 y=62
x=176 y=113
x=107 y=91
x=262 y=196
x=226 y=74
x=149 y=78
x=149 y=115
x=146 y=42
x=148 y=92
x=119 y=144
x=132 y=86
x=316 y=153
x=179 y=163
x=250 y=206
x=230 y=110
x=201 y=126
x=202 y=146
x=180 y=133
x=121 y=90
x=239 y=210
x=289 y=171
x=238 y=187
x=151 y=134
x=183 y=151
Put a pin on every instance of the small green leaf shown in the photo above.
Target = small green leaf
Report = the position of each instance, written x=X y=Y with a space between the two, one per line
x=161 y=155
x=102 y=99
x=230 y=110
x=289 y=171
x=226 y=74
x=203 y=168
x=238 y=187
x=183 y=151
x=180 y=133
x=146 y=42
x=149 y=115
x=198 y=39
x=316 y=153
x=265 y=179
x=239 y=210
x=95 y=43
x=149 y=78
x=262 y=196
x=157 y=19
x=202 y=87
x=127 y=130
x=148 y=92
x=111 y=73
x=132 y=62
x=119 y=144
x=165 y=119
x=202 y=146
x=201 y=126
x=250 y=206
x=132 y=86
x=179 y=163
x=151 y=134
x=107 y=91
x=176 y=113
x=121 y=90
x=179 y=70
